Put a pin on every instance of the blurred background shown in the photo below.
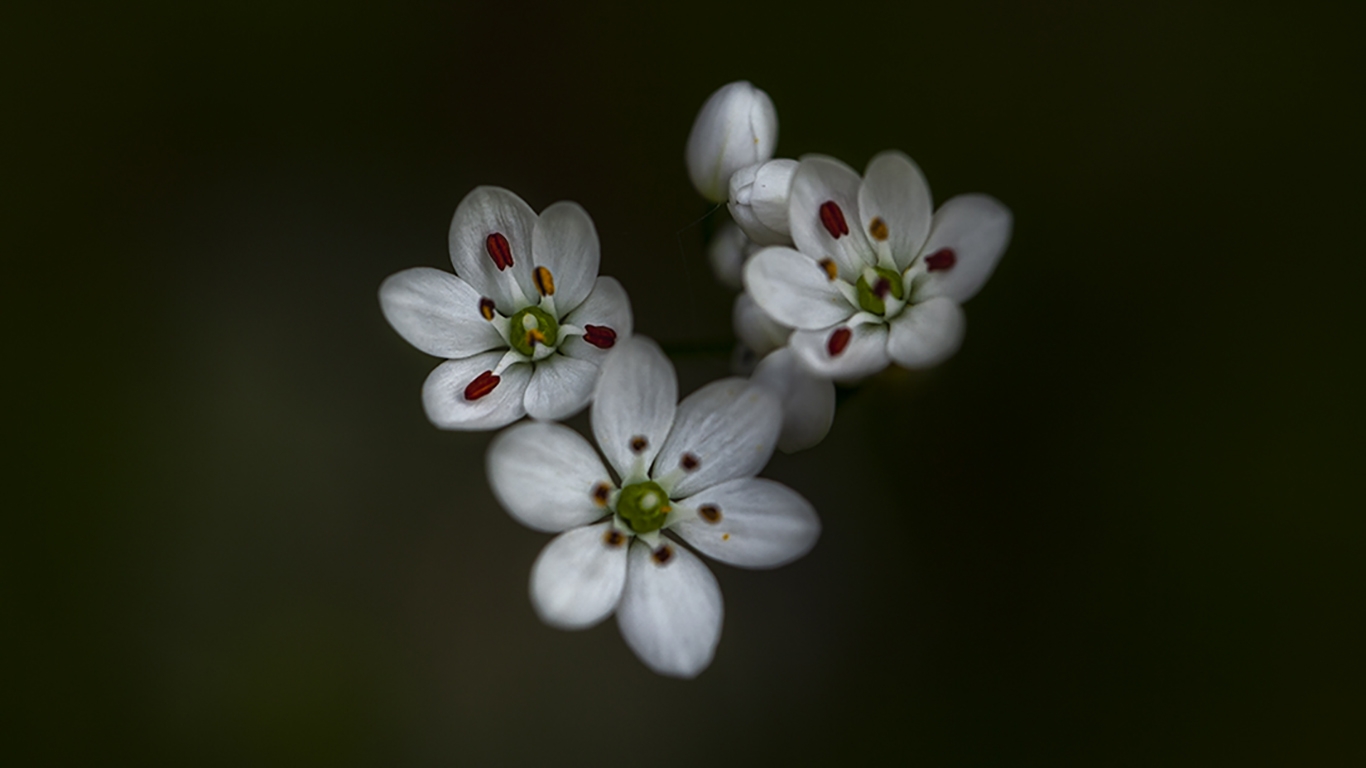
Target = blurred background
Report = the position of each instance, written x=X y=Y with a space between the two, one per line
x=1121 y=527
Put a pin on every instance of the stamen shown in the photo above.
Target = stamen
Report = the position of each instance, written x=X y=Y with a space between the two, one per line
x=689 y=462
x=878 y=228
x=499 y=250
x=486 y=308
x=545 y=282
x=941 y=260
x=483 y=384
x=599 y=336
x=613 y=538
x=831 y=270
x=710 y=512
x=838 y=341
x=881 y=288
x=601 y=492
x=639 y=443
x=832 y=218
x=533 y=336
x=663 y=555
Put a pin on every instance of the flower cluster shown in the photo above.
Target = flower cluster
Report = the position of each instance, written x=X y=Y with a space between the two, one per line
x=840 y=276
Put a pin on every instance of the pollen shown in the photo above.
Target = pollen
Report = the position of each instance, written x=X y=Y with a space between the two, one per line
x=832 y=218
x=831 y=270
x=545 y=282
x=486 y=308
x=601 y=492
x=663 y=555
x=499 y=250
x=639 y=443
x=613 y=538
x=710 y=512
x=838 y=341
x=941 y=260
x=483 y=384
x=878 y=228
x=599 y=336
x=689 y=462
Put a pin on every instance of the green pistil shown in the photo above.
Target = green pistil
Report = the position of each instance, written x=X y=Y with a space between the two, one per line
x=868 y=300
x=644 y=506
x=530 y=327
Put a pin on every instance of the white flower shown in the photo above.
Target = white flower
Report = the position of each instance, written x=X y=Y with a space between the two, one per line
x=759 y=200
x=682 y=468
x=874 y=275
x=525 y=320
x=737 y=126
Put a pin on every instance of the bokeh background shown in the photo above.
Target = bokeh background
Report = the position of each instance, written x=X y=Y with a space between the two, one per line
x=1121 y=527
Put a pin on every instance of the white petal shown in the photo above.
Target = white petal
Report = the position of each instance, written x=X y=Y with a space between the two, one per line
x=544 y=475
x=727 y=252
x=753 y=326
x=820 y=180
x=927 y=333
x=895 y=191
x=977 y=229
x=670 y=613
x=483 y=212
x=560 y=387
x=795 y=290
x=607 y=307
x=736 y=127
x=437 y=312
x=763 y=524
x=729 y=428
x=636 y=396
x=566 y=243
x=443 y=394
x=808 y=400
x=578 y=578
x=865 y=354
x=759 y=198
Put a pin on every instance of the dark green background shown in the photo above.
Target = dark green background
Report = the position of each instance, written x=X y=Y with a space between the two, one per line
x=1121 y=527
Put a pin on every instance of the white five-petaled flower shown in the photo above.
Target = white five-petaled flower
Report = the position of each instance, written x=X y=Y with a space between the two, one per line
x=683 y=472
x=875 y=274
x=525 y=321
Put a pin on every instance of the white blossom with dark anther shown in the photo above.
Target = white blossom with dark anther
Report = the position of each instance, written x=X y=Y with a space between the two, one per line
x=675 y=473
x=525 y=320
x=736 y=127
x=875 y=277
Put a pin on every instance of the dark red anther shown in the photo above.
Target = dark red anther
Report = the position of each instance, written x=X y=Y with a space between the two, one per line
x=689 y=462
x=487 y=308
x=832 y=218
x=942 y=259
x=663 y=555
x=838 y=341
x=483 y=384
x=499 y=250
x=881 y=288
x=599 y=336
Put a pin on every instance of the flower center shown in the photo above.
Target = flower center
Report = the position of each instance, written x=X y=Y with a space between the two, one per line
x=872 y=294
x=644 y=506
x=530 y=327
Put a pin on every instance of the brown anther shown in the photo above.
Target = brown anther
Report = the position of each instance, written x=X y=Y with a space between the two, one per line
x=878 y=228
x=710 y=512
x=534 y=336
x=599 y=336
x=881 y=288
x=663 y=555
x=499 y=250
x=613 y=538
x=545 y=282
x=832 y=271
x=601 y=492
x=483 y=384
x=486 y=308
x=725 y=537
x=832 y=218
x=941 y=260
x=689 y=462
x=838 y=341
x=639 y=443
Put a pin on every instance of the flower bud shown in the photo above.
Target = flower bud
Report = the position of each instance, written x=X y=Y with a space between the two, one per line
x=758 y=200
x=738 y=126
x=728 y=251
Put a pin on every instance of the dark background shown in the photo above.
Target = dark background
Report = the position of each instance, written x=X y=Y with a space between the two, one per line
x=1121 y=527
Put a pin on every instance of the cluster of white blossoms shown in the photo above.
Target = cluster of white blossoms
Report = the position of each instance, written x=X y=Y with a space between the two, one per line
x=841 y=276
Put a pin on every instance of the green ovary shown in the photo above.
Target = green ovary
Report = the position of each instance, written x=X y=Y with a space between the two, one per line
x=530 y=327
x=868 y=300
x=644 y=506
